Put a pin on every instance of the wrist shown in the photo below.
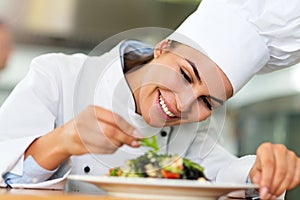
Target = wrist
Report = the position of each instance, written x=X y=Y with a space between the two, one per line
x=71 y=143
x=48 y=150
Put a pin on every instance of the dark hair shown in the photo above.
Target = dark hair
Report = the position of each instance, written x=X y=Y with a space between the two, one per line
x=173 y=44
x=135 y=58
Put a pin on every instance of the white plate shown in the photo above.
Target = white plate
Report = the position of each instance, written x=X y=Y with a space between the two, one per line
x=150 y=188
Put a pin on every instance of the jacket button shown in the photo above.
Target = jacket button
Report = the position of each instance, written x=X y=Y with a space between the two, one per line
x=86 y=169
x=163 y=133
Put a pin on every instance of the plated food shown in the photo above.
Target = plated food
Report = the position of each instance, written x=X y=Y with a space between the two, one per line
x=155 y=176
x=155 y=165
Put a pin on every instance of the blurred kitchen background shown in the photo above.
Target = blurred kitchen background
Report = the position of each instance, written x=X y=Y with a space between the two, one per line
x=267 y=109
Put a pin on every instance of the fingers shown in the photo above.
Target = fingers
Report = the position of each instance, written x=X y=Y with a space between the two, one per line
x=115 y=128
x=267 y=162
x=97 y=130
x=255 y=172
x=287 y=180
x=117 y=137
x=276 y=170
x=282 y=176
x=296 y=179
x=115 y=120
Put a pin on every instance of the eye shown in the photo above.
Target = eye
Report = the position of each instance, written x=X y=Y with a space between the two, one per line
x=206 y=101
x=186 y=77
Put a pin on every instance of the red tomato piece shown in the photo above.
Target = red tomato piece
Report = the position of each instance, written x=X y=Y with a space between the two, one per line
x=169 y=175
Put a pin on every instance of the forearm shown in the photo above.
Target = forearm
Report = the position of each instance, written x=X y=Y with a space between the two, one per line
x=49 y=150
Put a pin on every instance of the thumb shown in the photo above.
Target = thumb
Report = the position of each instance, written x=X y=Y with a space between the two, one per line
x=255 y=173
x=256 y=177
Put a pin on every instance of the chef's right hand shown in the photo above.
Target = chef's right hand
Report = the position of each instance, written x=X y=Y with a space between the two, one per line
x=97 y=130
x=275 y=170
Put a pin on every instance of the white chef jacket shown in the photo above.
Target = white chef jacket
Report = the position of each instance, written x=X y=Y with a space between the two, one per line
x=44 y=99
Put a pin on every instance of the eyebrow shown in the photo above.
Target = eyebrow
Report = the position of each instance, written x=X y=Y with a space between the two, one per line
x=221 y=102
x=194 y=69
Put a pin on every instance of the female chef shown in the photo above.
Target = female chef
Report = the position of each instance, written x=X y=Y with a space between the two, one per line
x=40 y=132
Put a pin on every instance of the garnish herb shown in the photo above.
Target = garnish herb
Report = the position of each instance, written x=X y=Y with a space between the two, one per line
x=150 y=142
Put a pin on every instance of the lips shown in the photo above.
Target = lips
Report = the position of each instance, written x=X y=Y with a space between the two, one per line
x=165 y=107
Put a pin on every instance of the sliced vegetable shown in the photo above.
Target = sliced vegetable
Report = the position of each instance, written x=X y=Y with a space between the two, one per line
x=169 y=175
x=115 y=172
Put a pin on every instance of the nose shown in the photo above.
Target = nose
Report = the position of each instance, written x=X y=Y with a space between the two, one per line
x=186 y=99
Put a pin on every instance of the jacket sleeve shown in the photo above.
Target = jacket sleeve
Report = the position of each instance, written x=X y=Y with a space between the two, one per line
x=37 y=93
x=241 y=168
x=33 y=173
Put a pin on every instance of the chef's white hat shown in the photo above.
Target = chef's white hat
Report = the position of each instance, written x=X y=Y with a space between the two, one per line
x=227 y=39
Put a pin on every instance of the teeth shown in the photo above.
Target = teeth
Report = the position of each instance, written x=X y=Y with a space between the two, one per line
x=165 y=108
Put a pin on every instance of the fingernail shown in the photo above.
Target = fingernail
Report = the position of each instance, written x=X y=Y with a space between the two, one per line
x=135 y=143
x=263 y=192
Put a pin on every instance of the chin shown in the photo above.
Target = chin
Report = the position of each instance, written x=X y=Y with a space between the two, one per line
x=155 y=122
x=156 y=125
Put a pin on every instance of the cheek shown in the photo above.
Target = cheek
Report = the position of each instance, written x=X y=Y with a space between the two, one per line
x=152 y=117
x=147 y=99
x=165 y=77
x=149 y=107
x=198 y=112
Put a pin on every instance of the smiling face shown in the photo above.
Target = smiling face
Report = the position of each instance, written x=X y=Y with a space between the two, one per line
x=180 y=85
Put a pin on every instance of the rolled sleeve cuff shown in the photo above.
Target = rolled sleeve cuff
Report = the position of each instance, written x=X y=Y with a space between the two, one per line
x=32 y=173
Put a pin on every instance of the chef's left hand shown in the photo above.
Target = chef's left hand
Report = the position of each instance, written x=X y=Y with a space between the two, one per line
x=275 y=170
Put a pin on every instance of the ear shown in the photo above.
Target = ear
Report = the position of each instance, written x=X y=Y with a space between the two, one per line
x=159 y=48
